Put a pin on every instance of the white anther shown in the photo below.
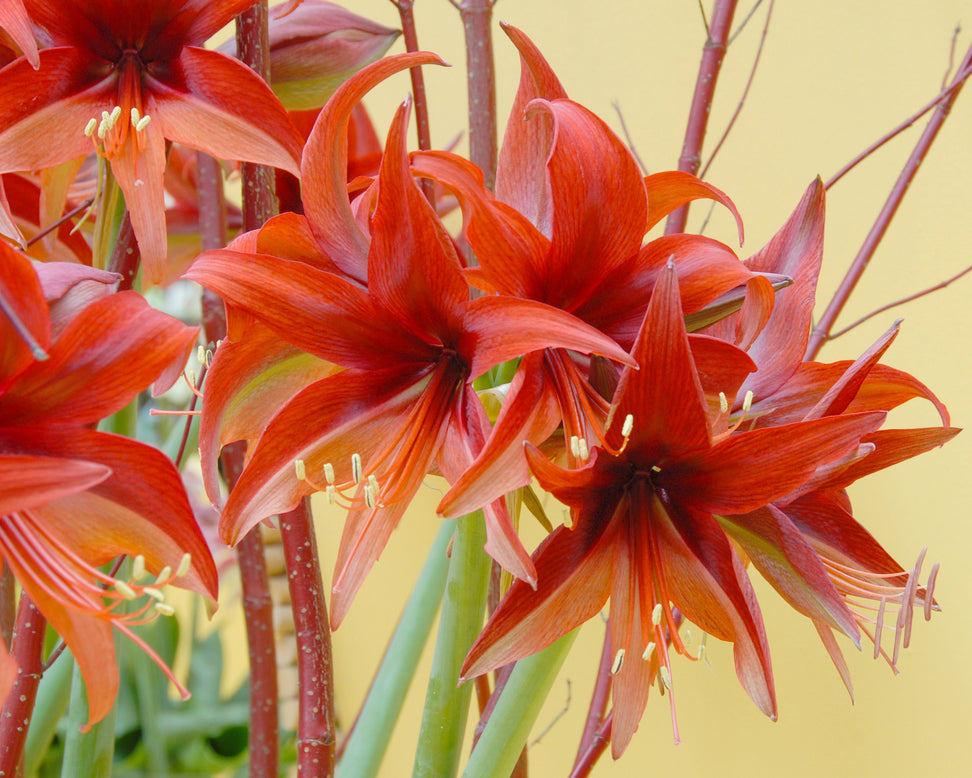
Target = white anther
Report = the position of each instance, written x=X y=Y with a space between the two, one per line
x=656 y=614
x=164 y=609
x=142 y=123
x=583 y=452
x=90 y=127
x=648 y=651
x=747 y=401
x=575 y=445
x=300 y=469
x=125 y=590
x=184 y=565
x=329 y=472
x=723 y=403
x=627 y=426
x=568 y=519
x=356 y=467
x=666 y=677
x=618 y=661
x=331 y=493
x=155 y=594
x=164 y=575
x=138 y=567
x=135 y=115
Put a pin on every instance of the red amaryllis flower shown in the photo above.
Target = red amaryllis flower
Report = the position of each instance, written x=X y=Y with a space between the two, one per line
x=412 y=342
x=567 y=228
x=142 y=57
x=72 y=498
x=645 y=532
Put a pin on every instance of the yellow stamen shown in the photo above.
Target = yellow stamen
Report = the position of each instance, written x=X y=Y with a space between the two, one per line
x=723 y=403
x=90 y=127
x=164 y=609
x=138 y=567
x=648 y=651
x=184 y=565
x=618 y=661
x=125 y=590
x=656 y=614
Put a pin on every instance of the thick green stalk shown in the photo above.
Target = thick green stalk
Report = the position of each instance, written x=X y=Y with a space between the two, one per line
x=87 y=755
x=509 y=727
x=372 y=731
x=446 y=703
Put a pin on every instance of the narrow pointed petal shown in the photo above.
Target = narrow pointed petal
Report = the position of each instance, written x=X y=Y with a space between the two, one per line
x=463 y=442
x=318 y=426
x=81 y=382
x=671 y=189
x=198 y=104
x=29 y=481
x=529 y=412
x=325 y=161
x=141 y=508
x=836 y=656
x=413 y=269
x=322 y=313
x=664 y=397
x=21 y=290
x=497 y=329
x=521 y=177
x=249 y=381
x=795 y=251
x=784 y=558
x=705 y=577
x=574 y=569
x=15 y=22
x=749 y=470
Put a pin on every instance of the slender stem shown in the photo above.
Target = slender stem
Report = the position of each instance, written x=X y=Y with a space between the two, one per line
x=89 y=754
x=589 y=758
x=7 y=309
x=28 y=643
x=366 y=744
x=821 y=332
x=477 y=16
x=315 y=728
x=943 y=95
x=213 y=234
x=58 y=222
x=407 y=16
x=503 y=740
x=446 y=703
x=8 y=605
x=712 y=55
x=258 y=614
x=599 y=699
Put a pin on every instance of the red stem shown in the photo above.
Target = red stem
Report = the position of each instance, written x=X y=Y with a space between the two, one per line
x=477 y=16
x=589 y=758
x=599 y=700
x=28 y=643
x=212 y=230
x=258 y=613
x=8 y=605
x=712 y=56
x=821 y=332
x=315 y=728
x=407 y=16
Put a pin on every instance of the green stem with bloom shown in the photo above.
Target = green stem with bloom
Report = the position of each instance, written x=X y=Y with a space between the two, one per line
x=509 y=727
x=372 y=731
x=446 y=703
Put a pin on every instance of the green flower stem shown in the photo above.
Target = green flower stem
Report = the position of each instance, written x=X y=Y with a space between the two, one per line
x=508 y=728
x=87 y=755
x=446 y=704
x=52 y=700
x=372 y=731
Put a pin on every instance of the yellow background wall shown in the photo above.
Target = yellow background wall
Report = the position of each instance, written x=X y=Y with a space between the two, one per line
x=835 y=75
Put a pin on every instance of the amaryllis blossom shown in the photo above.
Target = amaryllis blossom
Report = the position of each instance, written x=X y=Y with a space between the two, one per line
x=645 y=528
x=567 y=228
x=145 y=59
x=808 y=544
x=411 y=341
x=72 y=498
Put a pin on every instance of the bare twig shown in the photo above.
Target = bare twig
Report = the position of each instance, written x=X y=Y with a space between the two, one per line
x=57 y=223
x=902 y=301
x=749 y=83
x=599 y=742
x=822 y=329
x=744 y=22
x=602 y=690
x=705 y=84
x=629 y=140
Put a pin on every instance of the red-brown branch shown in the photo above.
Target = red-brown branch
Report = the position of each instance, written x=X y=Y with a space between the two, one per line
x=821 y=332
x=28 y=643
x=599 y=742
x=315 y=673
x=599 y=699
x=477 y=17
x=712 y=56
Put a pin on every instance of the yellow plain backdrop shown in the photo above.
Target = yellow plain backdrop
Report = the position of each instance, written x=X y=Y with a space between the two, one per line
x=834 y=76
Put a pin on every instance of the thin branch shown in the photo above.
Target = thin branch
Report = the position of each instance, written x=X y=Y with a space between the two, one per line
x=942 y=96
x=21 y=329
x=744 y=22
x=749 y=83
x=65 y=218
x=407 y=16
x=599 y=699
x=589 y=758
x=629 y=140
x=822 y=329
x=705 y=84
x=951 y=54
x=477 y=18
x=902 y=301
